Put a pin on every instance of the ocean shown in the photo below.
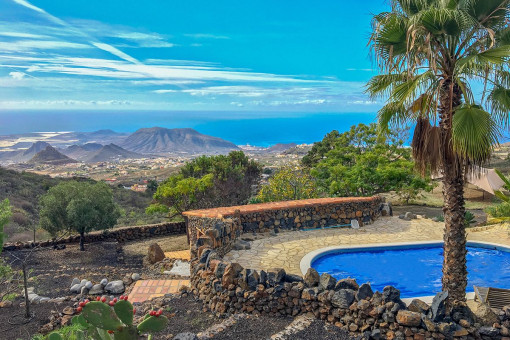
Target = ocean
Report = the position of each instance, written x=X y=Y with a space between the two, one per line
x=240 y=128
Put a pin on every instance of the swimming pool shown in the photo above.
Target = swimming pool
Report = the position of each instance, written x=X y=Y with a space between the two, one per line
x=414 y=269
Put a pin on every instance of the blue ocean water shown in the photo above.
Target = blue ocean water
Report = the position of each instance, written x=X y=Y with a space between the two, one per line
x=416 y=272
x=261 y=129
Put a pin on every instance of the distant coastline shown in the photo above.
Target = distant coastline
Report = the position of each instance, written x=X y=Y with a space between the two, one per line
x=241 y=129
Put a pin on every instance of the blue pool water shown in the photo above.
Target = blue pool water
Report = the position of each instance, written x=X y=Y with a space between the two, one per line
x=415 y=271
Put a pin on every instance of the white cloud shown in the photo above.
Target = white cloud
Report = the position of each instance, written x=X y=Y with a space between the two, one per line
x=362 y=102
x=206 y=36
x=17 y=75
x=29 y=5
x=23 y=35
x=164 y=91
x=28 y=45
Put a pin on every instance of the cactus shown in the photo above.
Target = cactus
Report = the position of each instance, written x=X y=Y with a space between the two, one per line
x=104 y=322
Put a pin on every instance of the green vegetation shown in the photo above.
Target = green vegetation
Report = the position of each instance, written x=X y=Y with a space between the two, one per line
x=207 y=182
x=428 y=54
x=361 y=163
x=78 y=206
x=24 y=190
x=289 y=184
x=5 y=215
x=99 y=320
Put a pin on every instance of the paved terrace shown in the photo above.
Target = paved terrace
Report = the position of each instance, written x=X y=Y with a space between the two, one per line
x=288 y=248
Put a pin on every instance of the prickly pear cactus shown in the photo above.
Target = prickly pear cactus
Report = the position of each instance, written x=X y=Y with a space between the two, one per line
x=104 y=322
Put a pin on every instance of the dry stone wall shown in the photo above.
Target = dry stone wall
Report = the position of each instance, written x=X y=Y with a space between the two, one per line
x=119 y=234
x=228 y=288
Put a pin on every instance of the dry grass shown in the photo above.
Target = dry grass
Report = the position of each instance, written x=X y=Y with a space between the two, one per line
x=475 y=199
x=167 y=243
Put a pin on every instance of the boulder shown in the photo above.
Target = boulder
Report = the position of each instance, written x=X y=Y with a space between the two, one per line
x=88 y=285
x=364 y=292
x=461 y=311
x=96 y=289
x=275 y=276
x=155 y=253
x=347 y=284
x=326 y=282
x=391 y=294
x=75 y=281
x=115 y=287
x=491 y=332
x=293 y=278
x=312 y=278
x=419 y=306
x=447 y=328
x=219 y=270
x=76 y=289
x=386 y=209
x=104 y=282
x=343 y=298
x=437 y=310
x=135 y=277
x=408 y=318
x=485 y=315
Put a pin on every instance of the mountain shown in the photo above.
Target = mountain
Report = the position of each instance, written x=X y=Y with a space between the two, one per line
x=23 y=155
x=280 y=147
x=111 y=152
x=81 y=152
x=50 y=155
x=159 y=140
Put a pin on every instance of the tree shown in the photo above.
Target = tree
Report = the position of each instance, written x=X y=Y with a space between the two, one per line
x=289 y=184
x=152 y=185
x=429 y=52
x=5 y=215
x=78 y=206
x=207 y=182
x=360 y=163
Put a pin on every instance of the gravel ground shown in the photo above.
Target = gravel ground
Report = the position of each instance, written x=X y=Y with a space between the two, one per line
x=12 y=329
x=318 y=330
x=254 y=328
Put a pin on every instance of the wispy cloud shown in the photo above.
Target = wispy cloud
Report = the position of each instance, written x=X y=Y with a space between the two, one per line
x=206 y=36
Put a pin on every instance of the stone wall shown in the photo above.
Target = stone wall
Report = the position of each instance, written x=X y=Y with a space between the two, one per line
x=228 y=288
x=119 y=234
x=219 y=228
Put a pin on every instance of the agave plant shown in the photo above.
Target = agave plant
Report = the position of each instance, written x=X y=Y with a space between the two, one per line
x=429 y=53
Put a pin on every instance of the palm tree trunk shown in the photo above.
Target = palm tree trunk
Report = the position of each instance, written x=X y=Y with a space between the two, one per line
x=454 y=263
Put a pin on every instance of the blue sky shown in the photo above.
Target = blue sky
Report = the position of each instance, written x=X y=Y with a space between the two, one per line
x=258 y=56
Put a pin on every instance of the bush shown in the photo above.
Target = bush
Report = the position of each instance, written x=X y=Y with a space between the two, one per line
x=499 y=210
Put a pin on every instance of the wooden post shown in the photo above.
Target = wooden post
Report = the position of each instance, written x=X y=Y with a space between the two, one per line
x=27 y=302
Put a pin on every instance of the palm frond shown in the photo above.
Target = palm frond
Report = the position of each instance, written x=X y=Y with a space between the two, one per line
x=499 y=102
x=474 y=134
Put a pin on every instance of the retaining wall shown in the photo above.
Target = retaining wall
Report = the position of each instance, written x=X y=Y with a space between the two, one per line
x=227 y=287
x=119 y=234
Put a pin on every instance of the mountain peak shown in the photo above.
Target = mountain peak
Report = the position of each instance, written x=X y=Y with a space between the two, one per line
x=162 y=140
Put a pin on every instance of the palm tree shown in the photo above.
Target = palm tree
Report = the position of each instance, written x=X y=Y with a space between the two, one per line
x=430 y=53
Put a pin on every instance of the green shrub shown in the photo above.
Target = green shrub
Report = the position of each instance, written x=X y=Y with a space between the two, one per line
x=469 y=218
x=499 y=210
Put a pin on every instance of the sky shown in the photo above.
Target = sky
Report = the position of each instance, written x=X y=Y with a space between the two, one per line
x=253 y=55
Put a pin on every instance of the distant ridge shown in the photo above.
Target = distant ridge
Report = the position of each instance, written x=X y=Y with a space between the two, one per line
x=158 y=140
x=280 y=147
x=111 y=152
x=50 y=155
x=81 y=152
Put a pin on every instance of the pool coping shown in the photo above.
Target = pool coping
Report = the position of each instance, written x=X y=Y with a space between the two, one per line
x=306 y=261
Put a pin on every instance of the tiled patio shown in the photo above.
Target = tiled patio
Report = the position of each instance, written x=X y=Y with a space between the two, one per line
x=288 y=248
x=148 y=289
